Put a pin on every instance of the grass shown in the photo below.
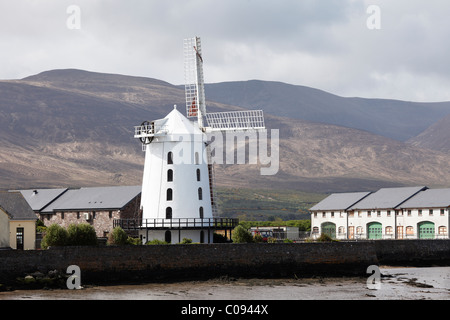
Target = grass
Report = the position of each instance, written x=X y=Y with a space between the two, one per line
x=266 y=205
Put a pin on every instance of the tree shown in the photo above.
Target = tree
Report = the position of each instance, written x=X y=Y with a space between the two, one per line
x=55 y=236
x=241 y=235
x=81 y=235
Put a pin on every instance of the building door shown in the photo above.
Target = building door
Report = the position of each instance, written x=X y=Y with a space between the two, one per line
x=351 y=232
x=399 y=232
x=19 y=238
x=329 y=228
x=374 y=231
x=426 y=230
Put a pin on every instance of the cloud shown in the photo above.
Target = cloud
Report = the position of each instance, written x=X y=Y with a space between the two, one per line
x=325 y=44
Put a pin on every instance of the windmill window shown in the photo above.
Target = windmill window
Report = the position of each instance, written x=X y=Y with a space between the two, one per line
x=198 y=174
x=201 y=212
x=170 y=158
x=196 y=158
x=169 y=195
x=170 y=175
x=168 y=213
x=200 y=194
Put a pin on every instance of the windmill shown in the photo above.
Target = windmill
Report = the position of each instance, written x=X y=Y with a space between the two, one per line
x=235 y=121
x=178 y=185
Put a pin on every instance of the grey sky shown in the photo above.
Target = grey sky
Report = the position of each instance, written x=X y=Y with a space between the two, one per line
x=324 y=44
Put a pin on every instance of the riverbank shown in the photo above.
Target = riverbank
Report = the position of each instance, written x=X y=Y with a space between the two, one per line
x=396 y=284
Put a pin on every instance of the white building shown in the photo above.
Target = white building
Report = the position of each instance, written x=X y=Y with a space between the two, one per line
x=389 y=213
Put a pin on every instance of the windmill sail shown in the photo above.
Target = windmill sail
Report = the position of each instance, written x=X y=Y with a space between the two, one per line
x=236 y=120
x=194 y=83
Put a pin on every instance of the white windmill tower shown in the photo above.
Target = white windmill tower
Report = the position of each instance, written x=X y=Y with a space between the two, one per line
x=177 y=189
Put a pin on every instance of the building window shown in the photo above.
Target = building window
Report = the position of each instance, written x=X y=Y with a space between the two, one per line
x=198 y=174
x=315 y=214
x=332 y=214
x=168 y=213
x=170 y=158
x=316 y=230
x=430 y=212
x=110 y=214
x=200 y=194
x=62 y=215
x=169 y=175
x=389 y=231
x=389 y=213
x=442 y=230
x=369 y=213
x=409 y=213
x=169 y=195
x=378 y=213
x=359 y=231
x=442 y=212
x=324 y=214
x=78 y=214
x=409 y=231
x=341 y=230
x=200 y=211
x=420 y=212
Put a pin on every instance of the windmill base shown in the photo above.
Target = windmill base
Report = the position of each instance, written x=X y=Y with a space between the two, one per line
x=175 y=230
x=177 y=235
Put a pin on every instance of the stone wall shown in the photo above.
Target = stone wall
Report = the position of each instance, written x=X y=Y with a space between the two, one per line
x=205 y=261
x=413 y=252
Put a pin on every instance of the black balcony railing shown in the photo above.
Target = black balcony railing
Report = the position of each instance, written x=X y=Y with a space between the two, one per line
x=176 y=223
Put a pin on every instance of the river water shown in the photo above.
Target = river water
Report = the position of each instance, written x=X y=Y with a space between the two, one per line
x=395 y=284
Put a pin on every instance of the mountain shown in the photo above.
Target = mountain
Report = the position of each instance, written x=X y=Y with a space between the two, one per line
x=399 y=120
x=67 y=128
x=436 y=137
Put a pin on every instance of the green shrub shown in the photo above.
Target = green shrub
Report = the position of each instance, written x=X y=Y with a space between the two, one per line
x=219 y=238
x=55 y=236
x=186 y=241
x=258 y=238
x=241 y=235
x=156 y=241
x=134 y=241
x=272 y=240
x=81 y=235
x=324 y=238
x=118 y=237
x=40 y=227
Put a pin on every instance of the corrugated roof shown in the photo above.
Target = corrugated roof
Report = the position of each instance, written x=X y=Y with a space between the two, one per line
x=339 y=201
x=40 y=198
x=15 y=205
x=96 y=198
x=431 y=198
x=387 y=198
